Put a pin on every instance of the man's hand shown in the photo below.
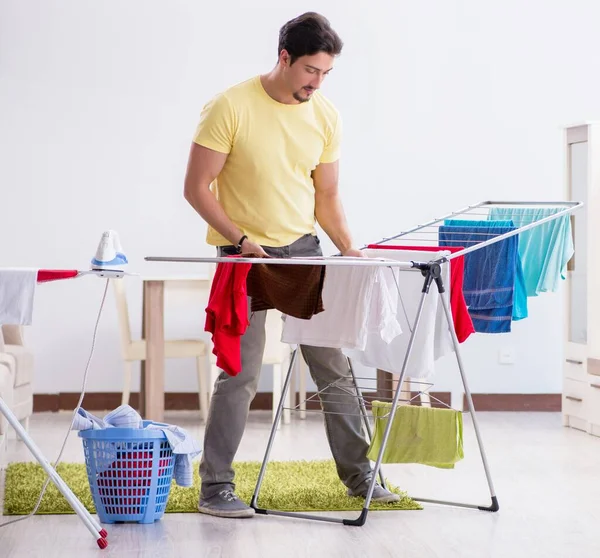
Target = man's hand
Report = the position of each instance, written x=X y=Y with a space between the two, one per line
x=249 y=247
x=353 y=253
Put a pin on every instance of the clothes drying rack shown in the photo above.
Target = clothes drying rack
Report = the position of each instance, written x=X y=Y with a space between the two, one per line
x=421 y=235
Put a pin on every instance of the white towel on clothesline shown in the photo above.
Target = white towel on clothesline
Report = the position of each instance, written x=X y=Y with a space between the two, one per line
x=17 y=290
x=357 y=301
x=184 y=446
x=433 y=339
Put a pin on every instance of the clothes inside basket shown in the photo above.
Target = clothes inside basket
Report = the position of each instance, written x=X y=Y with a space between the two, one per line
x=184 y=446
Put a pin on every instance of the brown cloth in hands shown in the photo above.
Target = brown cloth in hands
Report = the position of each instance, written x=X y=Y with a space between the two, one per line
x=295 y=290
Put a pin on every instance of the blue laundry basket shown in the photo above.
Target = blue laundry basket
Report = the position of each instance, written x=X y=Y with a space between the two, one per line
x=129 y=471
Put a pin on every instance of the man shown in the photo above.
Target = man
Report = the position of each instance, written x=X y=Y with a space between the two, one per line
x=263 y=166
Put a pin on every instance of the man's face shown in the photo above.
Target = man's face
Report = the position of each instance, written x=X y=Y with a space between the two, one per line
x=306 y=74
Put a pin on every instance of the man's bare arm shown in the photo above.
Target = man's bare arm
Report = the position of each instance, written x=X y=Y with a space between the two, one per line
x=329 y=210
x=204 y=165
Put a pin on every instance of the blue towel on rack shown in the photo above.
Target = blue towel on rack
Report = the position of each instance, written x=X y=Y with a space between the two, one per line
x=184 y=447
x=544 y=250
x=494 y=286
x=520 y=310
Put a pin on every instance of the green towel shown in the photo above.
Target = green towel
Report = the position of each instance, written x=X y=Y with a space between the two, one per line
x=427 y=435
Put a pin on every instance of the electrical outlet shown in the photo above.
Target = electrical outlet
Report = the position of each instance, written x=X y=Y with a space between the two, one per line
x=506 y=356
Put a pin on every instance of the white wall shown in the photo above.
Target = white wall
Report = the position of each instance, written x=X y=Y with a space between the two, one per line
x=445 y=104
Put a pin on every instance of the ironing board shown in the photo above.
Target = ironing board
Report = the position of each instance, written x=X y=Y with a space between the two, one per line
x=99 y=533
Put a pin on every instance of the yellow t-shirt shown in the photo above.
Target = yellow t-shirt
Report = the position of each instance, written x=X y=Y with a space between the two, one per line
x=266 y=187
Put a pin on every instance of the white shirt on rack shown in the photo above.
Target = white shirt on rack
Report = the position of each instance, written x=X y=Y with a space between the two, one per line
x=359 y=303
x=433 y=339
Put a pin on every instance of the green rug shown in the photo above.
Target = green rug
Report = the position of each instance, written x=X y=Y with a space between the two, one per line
x=288 y=485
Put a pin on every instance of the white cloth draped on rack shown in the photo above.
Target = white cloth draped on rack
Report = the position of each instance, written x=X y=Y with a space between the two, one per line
x=359 y=302
x=17 y=290
x=433 y=339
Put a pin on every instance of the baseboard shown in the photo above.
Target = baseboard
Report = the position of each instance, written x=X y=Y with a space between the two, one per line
x=539 y=402
x=98 y=401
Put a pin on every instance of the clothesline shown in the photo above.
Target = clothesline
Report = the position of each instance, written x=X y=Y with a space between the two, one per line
x=322 y=261
x=487 y=282
x=18 y=286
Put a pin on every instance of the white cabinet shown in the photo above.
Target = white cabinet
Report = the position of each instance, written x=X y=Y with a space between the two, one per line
x=581 y=366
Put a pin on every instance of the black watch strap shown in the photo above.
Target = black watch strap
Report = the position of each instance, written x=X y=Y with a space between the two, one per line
x=241 y=241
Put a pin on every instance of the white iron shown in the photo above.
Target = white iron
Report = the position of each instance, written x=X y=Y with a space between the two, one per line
x=109 y=254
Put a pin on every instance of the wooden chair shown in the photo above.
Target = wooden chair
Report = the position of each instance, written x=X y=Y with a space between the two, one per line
x=135 y=350
x=278 y=354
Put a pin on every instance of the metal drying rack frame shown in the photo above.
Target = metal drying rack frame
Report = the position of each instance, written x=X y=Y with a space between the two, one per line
x=423 y=235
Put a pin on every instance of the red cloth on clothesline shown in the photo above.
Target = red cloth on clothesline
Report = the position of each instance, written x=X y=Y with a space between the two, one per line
x=45 y=275
x=463 y=324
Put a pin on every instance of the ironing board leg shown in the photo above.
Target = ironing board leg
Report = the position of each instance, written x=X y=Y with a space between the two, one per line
x=92 y=525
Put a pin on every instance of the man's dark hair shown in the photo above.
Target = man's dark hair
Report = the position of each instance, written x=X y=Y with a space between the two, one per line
x=309 y=34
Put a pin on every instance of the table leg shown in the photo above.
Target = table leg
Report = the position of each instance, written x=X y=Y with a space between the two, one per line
x=142 y=396
x=385 y=384
x=154 y=372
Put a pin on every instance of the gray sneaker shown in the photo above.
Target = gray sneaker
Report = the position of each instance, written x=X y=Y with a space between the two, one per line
x=380 y=494
x=224 y=504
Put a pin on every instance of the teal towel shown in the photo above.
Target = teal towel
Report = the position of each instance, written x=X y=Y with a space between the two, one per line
x=427 y=435
x=544 y=250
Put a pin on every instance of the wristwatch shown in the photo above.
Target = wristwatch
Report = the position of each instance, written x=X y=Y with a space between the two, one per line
x=239 y=244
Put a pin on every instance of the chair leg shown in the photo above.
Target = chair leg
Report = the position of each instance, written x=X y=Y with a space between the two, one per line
x=457 y=399
x=202 y=389
x=291 y=394
x=425 y=398
x=277 y=385
x=302 y=373
x=405 y=393
x=3 y=449
x=25 y=425
x=127 y=370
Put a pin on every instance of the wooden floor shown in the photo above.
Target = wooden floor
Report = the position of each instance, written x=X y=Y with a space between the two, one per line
x=547 y=479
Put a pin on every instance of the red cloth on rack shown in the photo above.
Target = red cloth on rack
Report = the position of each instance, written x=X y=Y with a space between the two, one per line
x=463 y=324
x=44 y=275
x=227 y=314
